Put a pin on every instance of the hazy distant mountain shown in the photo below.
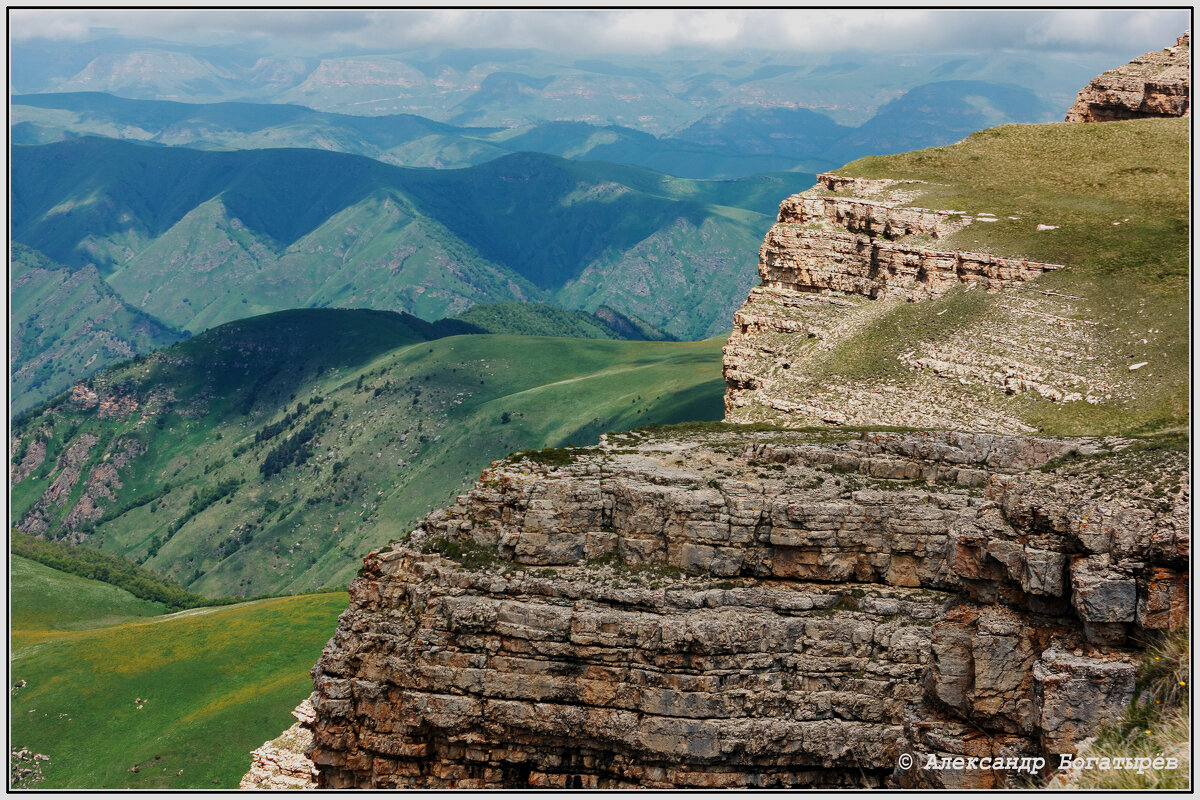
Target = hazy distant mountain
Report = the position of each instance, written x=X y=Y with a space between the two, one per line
x=509 y=88
x=405 y=139
x=197 y=238
x=941 y=113
x=731 y=142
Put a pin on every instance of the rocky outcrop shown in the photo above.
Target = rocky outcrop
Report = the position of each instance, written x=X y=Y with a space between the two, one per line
x=847 y=244
x=723 y=608
x=26 y=454
x=1156 y=84
x=65 y=501
x=283 y=763
x=841 y=260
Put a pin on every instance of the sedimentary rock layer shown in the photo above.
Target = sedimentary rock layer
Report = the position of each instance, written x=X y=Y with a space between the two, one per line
x=847 y=240
x=1155 y=84
x=723 y=608
x=807 y=259
x=283 y=762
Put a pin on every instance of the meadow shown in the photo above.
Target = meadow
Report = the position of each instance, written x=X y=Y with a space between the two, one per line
x=120 y=696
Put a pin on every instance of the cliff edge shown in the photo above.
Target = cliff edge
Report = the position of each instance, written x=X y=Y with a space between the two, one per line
x=709 y=607
x=1029 y=279
x=1155 y=84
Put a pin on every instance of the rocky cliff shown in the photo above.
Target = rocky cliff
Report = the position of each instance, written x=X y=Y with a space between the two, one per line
x=847 y=252
x=1155 y=84
x=716 y=607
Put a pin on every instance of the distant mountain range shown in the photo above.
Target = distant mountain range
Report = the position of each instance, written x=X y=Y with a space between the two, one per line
x=510 y=88
x=196 y=238
x=736 y=141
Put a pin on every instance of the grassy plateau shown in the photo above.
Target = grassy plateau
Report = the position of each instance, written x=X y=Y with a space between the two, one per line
x=1109 y=202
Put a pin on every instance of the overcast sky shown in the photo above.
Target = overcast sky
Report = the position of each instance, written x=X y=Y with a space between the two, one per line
x=628 y=31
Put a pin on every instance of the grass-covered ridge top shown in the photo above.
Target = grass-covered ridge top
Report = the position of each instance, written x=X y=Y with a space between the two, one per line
x=540 y=319
x=1081 y=178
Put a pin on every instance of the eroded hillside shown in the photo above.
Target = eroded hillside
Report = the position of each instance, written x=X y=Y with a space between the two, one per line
x=1029 y=278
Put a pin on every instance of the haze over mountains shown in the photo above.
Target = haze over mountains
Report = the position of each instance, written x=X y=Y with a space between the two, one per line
x=513 y=87
x=732 y=142
x=197 y=238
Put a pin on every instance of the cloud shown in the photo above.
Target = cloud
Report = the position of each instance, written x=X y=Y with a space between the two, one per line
x=626 y=31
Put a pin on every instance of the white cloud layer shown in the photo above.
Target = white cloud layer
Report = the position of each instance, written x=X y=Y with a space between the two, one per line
x=626 y=31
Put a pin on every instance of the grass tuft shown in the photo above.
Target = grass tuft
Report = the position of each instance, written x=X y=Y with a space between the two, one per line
x=1156 y=726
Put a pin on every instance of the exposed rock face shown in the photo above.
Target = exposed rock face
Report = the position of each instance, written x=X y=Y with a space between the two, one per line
x=283 y=763
x=846 y=244
x=1156 y=84
x=33 y=456
x=842 y=257
x=728 y=608
x=84 y=504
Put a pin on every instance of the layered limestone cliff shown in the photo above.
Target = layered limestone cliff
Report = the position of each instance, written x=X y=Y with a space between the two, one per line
x=726 y=608
x=1156 y=84
x=845 y=254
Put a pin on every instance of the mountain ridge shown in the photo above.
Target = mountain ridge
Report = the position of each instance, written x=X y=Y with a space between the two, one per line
x=730 y=142
x=257 y=231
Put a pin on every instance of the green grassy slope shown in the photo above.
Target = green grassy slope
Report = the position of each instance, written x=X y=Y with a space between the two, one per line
x=214 y=683
x=198 y=238
x=45 y=599
x=67 y=324
x=394 y=426
x=539 y=319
